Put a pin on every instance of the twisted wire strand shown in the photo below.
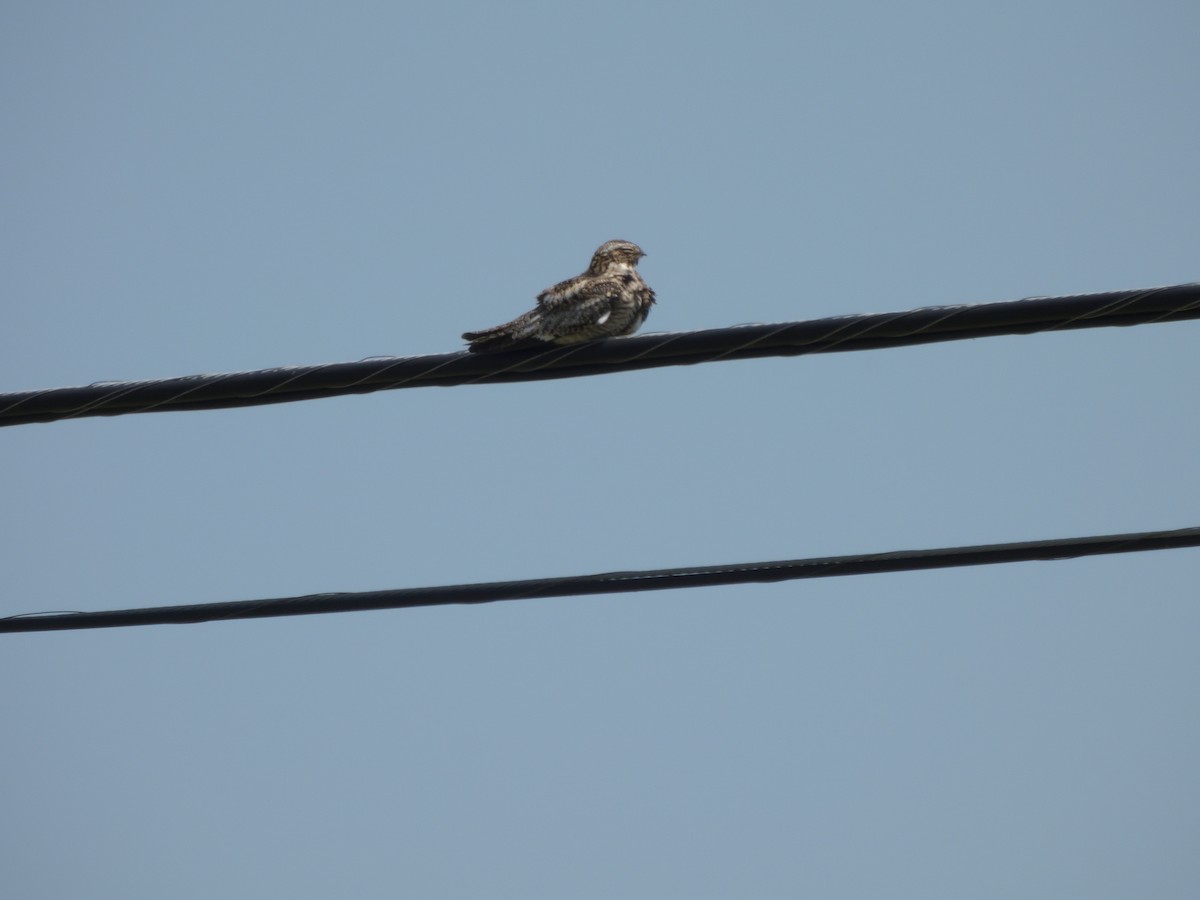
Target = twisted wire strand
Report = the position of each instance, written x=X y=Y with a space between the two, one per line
x=840 y=333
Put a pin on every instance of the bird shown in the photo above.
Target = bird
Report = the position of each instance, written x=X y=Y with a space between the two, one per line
x=610 y=299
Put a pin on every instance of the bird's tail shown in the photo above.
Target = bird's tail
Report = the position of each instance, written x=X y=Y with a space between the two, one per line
x=489 y=341
x=514 y=335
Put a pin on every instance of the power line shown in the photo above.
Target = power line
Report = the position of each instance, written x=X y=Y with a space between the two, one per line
x=857 y=332
x=614 y=582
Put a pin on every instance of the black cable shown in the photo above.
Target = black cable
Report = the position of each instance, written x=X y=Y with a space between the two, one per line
x=857 y=332
x=614 y=582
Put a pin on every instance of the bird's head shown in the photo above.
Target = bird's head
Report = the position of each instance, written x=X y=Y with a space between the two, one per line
x=615 y=253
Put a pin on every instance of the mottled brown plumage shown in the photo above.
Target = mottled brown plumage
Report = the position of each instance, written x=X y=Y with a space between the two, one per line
x=608 y=300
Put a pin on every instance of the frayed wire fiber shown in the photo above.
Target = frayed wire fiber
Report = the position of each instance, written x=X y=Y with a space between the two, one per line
x=856 y=332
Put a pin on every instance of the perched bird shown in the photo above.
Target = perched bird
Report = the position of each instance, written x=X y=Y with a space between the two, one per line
x=607 y=300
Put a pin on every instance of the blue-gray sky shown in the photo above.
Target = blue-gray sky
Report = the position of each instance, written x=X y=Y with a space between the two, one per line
x=211 y=187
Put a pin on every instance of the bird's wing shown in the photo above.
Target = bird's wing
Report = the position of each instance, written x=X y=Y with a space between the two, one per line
x=569 y=307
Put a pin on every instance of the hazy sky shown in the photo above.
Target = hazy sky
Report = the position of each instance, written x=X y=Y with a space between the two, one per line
x=210 y=187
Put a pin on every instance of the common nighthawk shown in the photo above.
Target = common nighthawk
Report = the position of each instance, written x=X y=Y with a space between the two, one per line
x=607 y=300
